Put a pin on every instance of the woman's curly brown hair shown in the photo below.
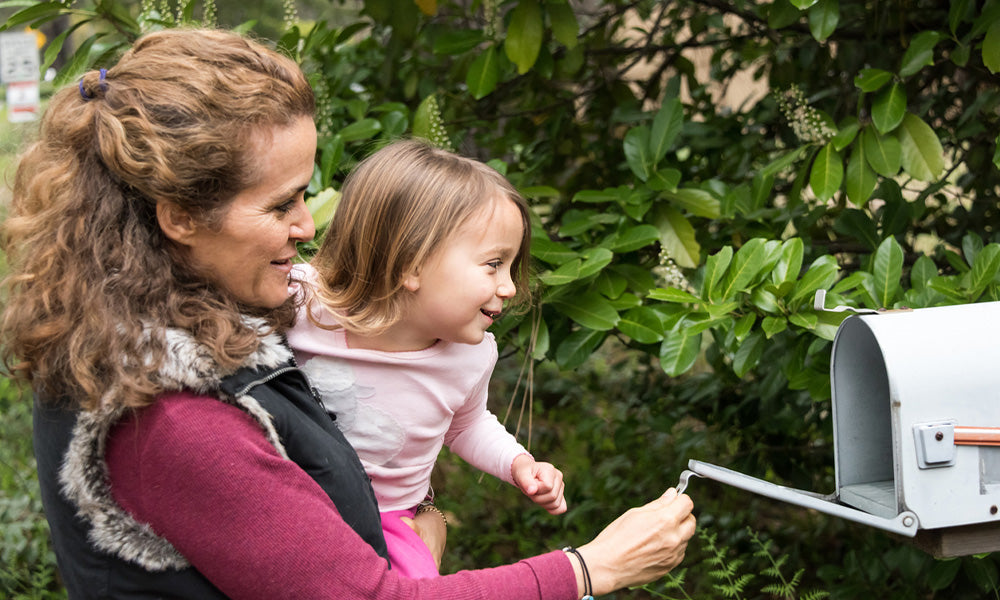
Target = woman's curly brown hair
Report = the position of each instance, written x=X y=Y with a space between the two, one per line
x=91 y=274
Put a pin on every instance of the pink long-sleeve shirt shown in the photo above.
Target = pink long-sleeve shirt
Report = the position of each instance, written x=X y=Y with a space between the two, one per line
x=204 y=477
x=398 y=408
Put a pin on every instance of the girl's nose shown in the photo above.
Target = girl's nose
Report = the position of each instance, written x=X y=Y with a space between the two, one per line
x=506 y=288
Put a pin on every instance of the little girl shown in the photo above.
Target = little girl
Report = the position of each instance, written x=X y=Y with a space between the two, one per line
x=422 y=254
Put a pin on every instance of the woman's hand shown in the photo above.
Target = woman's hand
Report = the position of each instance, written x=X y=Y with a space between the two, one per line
x=432 y=529
x=641 y=545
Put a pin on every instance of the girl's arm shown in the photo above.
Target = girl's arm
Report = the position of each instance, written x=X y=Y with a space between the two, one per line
x=203 y=476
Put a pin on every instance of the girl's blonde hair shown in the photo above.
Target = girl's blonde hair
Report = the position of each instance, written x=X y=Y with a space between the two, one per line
x=396 y=208
x=91 y=273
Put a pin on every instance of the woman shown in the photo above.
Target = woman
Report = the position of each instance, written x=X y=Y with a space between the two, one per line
x=181 y=453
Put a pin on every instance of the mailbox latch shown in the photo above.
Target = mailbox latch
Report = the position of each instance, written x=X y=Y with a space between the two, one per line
x=935 y=444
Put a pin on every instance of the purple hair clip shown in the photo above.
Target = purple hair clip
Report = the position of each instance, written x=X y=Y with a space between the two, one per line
x=103 y=85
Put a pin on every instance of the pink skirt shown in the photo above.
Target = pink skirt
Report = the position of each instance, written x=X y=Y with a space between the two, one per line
x=408 y=554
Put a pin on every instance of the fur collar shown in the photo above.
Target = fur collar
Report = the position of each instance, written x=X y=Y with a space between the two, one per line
x=84 y=474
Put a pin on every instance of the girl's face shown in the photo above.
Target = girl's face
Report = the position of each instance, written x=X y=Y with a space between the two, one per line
x=460 y=289
x=250 y=254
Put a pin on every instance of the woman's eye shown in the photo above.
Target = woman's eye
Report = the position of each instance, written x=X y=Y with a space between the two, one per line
x=285 y=207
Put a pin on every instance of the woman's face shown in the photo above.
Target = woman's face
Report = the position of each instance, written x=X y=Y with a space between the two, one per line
x=250 y=254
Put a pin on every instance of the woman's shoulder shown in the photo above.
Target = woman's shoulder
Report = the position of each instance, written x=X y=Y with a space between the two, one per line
x=186 y=418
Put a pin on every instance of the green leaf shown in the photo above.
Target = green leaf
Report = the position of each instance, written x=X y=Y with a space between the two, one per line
x=568 y=272
x=847 y=130
x=765 y=300
x=922 y=154
x=823 y=19
x=678 y=352
x=972 y=245
x=55 y=46
x=782 y=162
x=595 y=259
x=922 y=272
x=45 y=11
x=745 y=267
x=827 y=173
x=858 y=225
x=697 y=202
x=642 y=325
x=577 y=347
x=608 y=284
x=790 y=263
x=781 y=14
x=883 y=152
x=821 y=274
x=673 y=295
x=772 y=326
x=888 y=271
x=550 y=251
x=920 y=53
x=804 y=320
x=77 y=66
x=524 y=35
x=457 y=41
x=636 y=146
x=991 y=48
x=861 y=179
x=743 y=326
x=666 y=126
x=539 y=191
x=984 y=269
x=748 y=354
x=958 y=11
x=889 y=108
x=322 y=206
x=942 y=573
x=664 y=179
x=360 y=130
x=589 y=309
x=996 y=152
x=715 y=268
x=871 y=80
x=563 y=21
x=802 y=4
x=633 y=238
x=597 y=196
x=483 y=74
x=677 y=236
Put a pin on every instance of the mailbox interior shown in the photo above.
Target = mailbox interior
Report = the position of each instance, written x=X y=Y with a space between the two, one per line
x=864 y=440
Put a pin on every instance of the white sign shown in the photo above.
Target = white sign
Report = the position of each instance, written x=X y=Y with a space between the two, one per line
x=19 y=59
x=23 y=101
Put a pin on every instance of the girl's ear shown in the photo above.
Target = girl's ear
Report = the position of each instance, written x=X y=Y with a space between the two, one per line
x=175 y=222
x=411 y=280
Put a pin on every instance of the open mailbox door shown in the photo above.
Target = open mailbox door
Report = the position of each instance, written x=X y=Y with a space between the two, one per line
x=916 y=423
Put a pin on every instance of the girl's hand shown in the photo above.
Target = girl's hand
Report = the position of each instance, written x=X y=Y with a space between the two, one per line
x=541 y=482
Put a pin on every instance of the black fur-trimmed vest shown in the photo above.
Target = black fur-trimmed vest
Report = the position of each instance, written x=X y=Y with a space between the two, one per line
x=103 y=552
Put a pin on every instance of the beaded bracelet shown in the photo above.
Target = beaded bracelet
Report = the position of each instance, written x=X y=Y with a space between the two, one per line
x=587 y=589
x=428 y=506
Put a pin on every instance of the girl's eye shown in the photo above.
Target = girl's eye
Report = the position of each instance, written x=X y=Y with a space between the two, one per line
x=494 y=264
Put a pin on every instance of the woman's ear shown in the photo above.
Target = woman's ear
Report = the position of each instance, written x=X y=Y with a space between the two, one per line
x=175 y=222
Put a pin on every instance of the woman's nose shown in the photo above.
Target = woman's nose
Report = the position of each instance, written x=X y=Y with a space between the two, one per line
x=303 y=228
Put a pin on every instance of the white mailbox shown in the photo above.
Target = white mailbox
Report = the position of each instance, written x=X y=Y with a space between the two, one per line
x=916 y=423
